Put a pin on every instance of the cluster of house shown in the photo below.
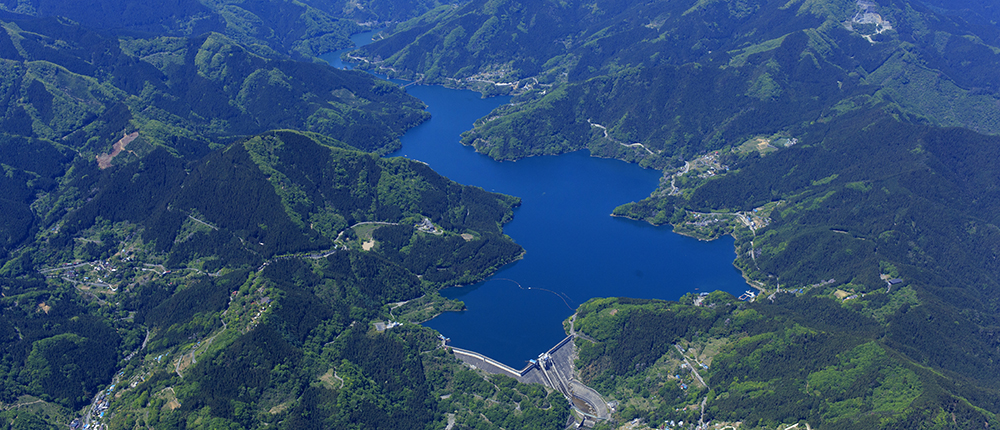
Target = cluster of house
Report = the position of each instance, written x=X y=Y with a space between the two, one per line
x=426 y=226
x=97 y=412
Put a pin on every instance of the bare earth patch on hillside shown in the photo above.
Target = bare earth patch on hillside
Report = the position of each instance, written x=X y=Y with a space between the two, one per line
x=104 y=160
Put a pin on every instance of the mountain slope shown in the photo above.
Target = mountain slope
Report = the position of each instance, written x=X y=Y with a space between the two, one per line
x=288 y=267
x=181 y=83
x=271 y=28
x=869 y=230
x=683 y=78
x=846 y=145
x=778 y=362
x=285 y=192
x=67 y=91
x=159 y=238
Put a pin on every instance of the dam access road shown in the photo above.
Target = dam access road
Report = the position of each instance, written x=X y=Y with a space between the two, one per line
x=554 y=369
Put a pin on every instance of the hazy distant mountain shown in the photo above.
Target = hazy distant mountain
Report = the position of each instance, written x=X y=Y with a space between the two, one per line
x=976 y=12
x=268 y=27
x=683 y=78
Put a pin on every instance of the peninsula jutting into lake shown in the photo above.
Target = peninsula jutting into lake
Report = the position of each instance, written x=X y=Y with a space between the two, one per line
x=685 y=214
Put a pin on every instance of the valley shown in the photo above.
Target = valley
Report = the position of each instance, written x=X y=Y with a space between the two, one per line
x=206 y=226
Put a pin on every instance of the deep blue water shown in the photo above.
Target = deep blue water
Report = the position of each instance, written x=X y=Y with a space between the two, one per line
x=575 y=249
x=360 y=39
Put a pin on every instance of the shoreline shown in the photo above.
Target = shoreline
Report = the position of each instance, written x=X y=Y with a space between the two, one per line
x=750 y=282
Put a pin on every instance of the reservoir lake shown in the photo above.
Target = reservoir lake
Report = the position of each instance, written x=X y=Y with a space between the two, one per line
x=575 y=250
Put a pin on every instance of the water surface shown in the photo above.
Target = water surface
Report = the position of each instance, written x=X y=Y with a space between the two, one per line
x=575 y=249
x=360 y=39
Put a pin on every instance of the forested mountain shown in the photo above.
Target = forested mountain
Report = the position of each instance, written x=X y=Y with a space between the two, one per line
x=683 y=77
x=847 y=145
x=790 y=359
x=271 y=28
x=893 y=221
x=206 y=225
x=65 y=82
x=214 y=232
x=284 y=193
x=266 y=248
x=67 y=91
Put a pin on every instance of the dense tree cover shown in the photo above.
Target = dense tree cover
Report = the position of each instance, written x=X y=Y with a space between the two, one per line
x=180 y=95
x=30 y=167
x=275 y=28
x=380 y=11
x=509 y=404
x=211 y=272
x=254 y=300
x=869 y=195
x=312 y=360
x=55 y=345
x=921 y=200
x=445 y=259
x=683 y=78
x=178 y=315
x=185 y=95
x=638 y=334
x=785 y=359
x=267 y=338
x=207 y=87
x=286 y=192
x=479 y=35
x=270 y=28
x=311 y=178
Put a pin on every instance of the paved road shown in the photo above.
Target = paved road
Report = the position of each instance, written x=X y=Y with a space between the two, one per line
x=562 y=361
x=485 y=363
x=693 y=369
x=560 y=375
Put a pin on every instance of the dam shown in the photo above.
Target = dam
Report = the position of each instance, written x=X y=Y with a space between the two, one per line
x=553 y=369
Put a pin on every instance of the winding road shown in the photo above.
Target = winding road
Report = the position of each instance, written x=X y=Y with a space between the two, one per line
x=630 y=145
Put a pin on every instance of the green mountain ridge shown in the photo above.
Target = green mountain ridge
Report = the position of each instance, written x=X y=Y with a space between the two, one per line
x=187 y=95
x=151 y=237
x=684 y=78
x=163 y=234
x=229 y=265
x=270 y=28
x=791 y=359
x=285 y=193
x=179 y=83
x=843 y=145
